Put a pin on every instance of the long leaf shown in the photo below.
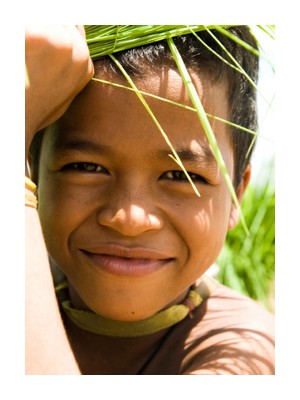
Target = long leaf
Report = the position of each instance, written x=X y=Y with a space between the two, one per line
x=205 y=124
x=175 y=156
x=175 y=103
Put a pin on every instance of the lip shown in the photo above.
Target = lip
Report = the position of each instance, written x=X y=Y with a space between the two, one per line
x=124 y=261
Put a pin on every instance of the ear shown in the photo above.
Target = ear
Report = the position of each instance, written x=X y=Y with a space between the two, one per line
x=234 y=212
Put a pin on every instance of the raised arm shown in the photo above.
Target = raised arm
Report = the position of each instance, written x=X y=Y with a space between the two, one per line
x=58 y=67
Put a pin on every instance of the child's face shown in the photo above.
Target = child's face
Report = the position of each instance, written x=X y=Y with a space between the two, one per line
x=118 y=215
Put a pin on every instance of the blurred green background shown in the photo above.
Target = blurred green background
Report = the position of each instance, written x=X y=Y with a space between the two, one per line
x=247 y=263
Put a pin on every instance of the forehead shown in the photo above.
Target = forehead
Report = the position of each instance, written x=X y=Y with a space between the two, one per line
x=165 y=83
x=116 y=115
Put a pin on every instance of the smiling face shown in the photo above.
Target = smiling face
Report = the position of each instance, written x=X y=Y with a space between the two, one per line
x=118 y=215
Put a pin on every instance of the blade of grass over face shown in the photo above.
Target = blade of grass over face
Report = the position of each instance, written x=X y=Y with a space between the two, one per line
x=106 y=39
x=174 y=156
x=119 y=85
x=246 y=263
x=205 y=124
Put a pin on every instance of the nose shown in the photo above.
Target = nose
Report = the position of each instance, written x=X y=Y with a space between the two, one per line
x=129 y=214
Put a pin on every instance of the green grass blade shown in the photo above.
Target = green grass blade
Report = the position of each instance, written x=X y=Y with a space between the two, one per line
x=231 y=36
x=174 y=156
x=268 y=29
x=206 y=125
x=119 y=85
x=239 y=68
x=106 y=39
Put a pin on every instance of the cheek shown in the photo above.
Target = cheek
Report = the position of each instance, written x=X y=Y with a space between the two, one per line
x=60 y=203
x=206 y=229
x=59 y=213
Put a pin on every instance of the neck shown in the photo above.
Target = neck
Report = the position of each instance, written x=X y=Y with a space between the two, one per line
x=97 y=324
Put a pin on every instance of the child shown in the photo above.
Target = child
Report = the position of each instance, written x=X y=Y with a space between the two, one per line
x=122 y=223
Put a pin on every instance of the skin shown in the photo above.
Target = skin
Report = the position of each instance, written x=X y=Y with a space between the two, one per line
x=50 y=91
x=128 y=201
x=58 y=66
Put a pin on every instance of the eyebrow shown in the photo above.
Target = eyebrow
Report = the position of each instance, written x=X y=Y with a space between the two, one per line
x=81 y=145
x=198 y=157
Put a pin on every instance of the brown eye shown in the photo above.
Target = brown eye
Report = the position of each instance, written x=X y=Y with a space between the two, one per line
x=84 y=167
x=181 y=177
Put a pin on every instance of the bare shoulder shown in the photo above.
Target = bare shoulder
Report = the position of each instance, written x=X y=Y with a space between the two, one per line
x=234 y=335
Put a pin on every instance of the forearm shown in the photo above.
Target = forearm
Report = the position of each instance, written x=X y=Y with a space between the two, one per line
x=58 y=66
x=48 y=350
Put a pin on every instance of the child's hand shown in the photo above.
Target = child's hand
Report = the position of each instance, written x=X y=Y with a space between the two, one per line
x=58 y=67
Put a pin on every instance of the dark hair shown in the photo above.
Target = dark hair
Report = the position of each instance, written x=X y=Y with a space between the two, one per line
x=140 y=61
